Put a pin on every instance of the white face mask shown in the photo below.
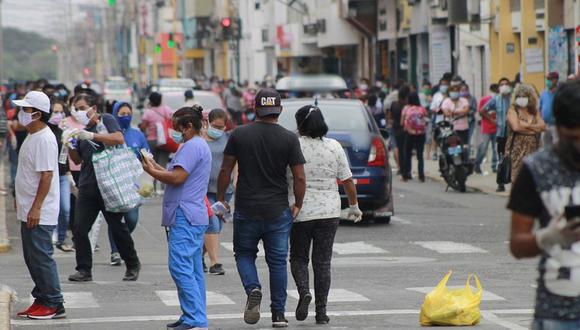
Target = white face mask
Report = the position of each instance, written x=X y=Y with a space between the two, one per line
x=505 y=89
x=82 y=116
x=522 y=102
x=25 y=118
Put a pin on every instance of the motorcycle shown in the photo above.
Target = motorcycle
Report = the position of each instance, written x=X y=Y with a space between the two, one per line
x=455 y=164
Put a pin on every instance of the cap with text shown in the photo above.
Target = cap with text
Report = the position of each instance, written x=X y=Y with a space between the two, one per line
x=268 y=102
x=34 y=99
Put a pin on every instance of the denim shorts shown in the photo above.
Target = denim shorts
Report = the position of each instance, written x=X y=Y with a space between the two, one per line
x=215 y=223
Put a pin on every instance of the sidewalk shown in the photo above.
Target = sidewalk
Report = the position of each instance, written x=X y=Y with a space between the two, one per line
x=4 y=241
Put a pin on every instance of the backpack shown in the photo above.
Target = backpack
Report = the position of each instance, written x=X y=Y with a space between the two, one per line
x=415 y=120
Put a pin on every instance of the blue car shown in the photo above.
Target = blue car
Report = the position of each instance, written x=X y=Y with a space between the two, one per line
x=352 y=125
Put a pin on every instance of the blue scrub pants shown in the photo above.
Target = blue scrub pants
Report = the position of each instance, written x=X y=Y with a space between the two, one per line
x=185 y=251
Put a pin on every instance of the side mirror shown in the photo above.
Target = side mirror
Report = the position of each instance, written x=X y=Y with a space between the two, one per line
x=384 y=133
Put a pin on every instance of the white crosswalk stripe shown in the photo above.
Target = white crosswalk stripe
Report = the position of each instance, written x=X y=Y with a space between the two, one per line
x=487 y=295
x=347 y=248
x=336 y=295
x=77 y=300
x=169 y=298
x=450 y=247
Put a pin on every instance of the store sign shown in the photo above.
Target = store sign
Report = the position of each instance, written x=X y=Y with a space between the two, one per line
x=440 y=51
x=534 y=59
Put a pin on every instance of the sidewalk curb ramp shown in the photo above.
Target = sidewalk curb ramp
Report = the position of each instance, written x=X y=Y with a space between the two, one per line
x=7 y=296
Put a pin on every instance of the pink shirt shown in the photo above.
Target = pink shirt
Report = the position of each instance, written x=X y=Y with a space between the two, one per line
x=155 y=115
x=462 y=123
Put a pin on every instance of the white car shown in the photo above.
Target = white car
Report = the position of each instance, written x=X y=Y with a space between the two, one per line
x=118 y=89
x=175 y=85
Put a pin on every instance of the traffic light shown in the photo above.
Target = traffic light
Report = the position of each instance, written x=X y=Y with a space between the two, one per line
x=158 y=48
x=230 y=28
x=226 y=22
x=112 y=3
x=170 y=41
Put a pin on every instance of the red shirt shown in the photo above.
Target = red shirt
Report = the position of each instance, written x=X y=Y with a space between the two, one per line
x=487 y=126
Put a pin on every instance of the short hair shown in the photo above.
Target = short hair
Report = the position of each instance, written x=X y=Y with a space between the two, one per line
x=189 y=115
x=217 y=113
x=310 y=122
x=413 y=99
x=65 y=108
x=494 y=88
x=503 y=79
x=89 y=99
x=404 y=92
x=155 y=99
x=372 y=100
x=565 y=105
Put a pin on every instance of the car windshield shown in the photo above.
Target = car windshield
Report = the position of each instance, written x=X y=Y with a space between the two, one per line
x=177 y=100
x=176 y=84
x=208 y=102
x=116 y=85
x=338 y=117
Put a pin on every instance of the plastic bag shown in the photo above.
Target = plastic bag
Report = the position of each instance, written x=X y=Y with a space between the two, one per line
x=452 y=307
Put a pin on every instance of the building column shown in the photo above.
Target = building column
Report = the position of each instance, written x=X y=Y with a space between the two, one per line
x=532 y=43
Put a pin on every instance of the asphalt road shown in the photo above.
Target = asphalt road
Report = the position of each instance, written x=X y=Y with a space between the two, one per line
x=379 y=271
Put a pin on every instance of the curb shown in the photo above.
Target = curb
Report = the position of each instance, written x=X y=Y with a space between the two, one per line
x=4 y=241
x=438 y=178
x=6 y=298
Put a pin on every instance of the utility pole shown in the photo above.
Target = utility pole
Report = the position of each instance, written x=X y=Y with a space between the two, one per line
x=1 y=46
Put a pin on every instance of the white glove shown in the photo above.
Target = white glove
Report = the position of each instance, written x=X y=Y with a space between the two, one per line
x=86 y=135
x=559 y=232
x=354 y=213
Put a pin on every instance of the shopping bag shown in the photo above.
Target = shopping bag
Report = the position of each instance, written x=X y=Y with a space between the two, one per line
x=452 y=307
x=164 y=139
x=117 y=171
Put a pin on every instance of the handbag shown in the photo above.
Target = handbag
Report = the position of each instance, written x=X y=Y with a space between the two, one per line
x=117 y=171
x=164 y=140
x=504 y=167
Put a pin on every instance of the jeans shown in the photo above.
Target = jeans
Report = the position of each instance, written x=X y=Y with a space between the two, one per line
x=185 y=252
x=215 y=223
x=89 y=203
x=416 y=142
x=13 y=158
x=64 y=214
x=274 y=234
x=131 y=218
x=545 y=324
x=321 y=234
x=482 y=149
x=37 y=250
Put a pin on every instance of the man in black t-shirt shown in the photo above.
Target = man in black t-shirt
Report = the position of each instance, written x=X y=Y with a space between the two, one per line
x=547 y=188
x=263 y=151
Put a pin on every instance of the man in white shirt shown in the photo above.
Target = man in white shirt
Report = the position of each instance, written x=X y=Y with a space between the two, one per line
x=37 y=203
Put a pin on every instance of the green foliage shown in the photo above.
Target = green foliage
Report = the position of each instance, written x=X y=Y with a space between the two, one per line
x=27 y=55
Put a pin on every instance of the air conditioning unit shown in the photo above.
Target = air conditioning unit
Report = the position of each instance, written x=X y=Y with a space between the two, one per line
x=473 y=7
x=321 y=25
x=516 y=21
x=540 y=19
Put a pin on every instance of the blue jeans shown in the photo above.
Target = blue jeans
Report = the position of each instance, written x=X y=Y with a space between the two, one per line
x=482 y=149
x=131 y=218
x=64 y=214
x=545 y=324
x=13 y=158
x=274 y=233
x=37 y=250
x=185 y=251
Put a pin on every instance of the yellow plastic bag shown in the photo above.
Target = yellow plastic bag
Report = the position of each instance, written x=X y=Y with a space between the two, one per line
x=452 y=307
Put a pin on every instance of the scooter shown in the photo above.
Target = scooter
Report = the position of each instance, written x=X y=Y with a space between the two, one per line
x=455 y=164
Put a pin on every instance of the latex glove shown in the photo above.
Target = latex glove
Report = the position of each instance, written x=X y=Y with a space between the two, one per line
x=559 y=232
x=86 y=135
x=354 y=213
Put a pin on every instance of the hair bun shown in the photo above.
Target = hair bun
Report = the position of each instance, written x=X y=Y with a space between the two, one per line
x=198 y=109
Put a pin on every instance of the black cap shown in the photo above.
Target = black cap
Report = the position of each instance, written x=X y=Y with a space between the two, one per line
x=268 y=102
x=188 y=94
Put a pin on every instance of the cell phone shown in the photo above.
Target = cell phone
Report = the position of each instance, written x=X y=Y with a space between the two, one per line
x=142 y=155
x=572 y=212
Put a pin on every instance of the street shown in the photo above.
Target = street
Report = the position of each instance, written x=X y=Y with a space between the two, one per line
x=380 y=272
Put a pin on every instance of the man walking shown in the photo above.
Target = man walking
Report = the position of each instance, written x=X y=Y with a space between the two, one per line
x=546 y=101
x=263 y=151
x=488 y=131
x=37 y=204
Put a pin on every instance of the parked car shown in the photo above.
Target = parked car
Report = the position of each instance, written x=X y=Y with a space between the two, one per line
x=350 y=123
x=117 y=89
x=175 y=85
x=328 y=86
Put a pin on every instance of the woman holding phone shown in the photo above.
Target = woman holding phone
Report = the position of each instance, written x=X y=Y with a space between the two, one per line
x=185 y=214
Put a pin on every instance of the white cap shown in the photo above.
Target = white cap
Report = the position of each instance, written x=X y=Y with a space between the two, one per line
x=34 y=99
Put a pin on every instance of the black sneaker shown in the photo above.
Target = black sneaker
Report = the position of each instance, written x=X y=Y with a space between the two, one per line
x=81 y=276
x=322 y=318
x=132 y=274
x=217 y=269
x=500 y=188
x=252 y=311
x=115 y=259
x=302 y=308
x=174 y=324
x=278 y=320
x=477 y=169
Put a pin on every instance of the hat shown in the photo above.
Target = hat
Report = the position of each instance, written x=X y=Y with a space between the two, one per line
x=188 y=94
x=34 y=99
x=553 y=75
x=268 y=102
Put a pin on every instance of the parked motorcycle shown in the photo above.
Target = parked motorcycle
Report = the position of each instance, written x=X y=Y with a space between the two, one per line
x=455 y=164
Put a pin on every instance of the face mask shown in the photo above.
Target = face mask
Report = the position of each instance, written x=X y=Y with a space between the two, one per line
x=82 y=116
x=56 y=118
x=454 y=95
x=549 y=84
x=427 y=91
x=214 y=133
x=443 y=88
x=464 y=94
x=25 y=118
x=505 y=89
x=522 y=102
x=176 y=136
x=251 y=116
x=125 y=121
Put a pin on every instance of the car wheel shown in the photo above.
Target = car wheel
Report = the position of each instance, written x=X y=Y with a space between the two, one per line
x=383 y=220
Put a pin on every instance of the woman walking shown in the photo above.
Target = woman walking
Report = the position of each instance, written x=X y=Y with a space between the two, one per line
x=185 y=215
x=414 y=121
x=526 y=124
x=317 y=222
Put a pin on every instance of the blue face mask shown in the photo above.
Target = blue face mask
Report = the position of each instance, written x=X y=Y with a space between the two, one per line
x=443 y=88
x=214 y=133
x=177 y=136
x=125 y=122
x=454 y=95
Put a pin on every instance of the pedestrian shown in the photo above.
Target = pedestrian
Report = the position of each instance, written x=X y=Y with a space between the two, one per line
x=248 y=98
x=526 y=125
x=58 y=115
x=546 y=101
x=546 y=190
x=136 y=141
x=233 y=99
x=376 y=109
x=185 y=215
x=500 y=105
x=100 y=130
x=154 y=116
x=394 y=117
x=472 y=101
x=263 y=151
x=414 y=121
x=217 y=139
x=189 y=99
x=38 y=199
x=316 y=225
x=456 y=108
x=488 y=131
x=436 y=103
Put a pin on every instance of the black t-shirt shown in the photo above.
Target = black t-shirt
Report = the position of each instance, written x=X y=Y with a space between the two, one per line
x=62 y=168
x=396 y=114
x=86 y=149
x=524 y=197
x=263 y=152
